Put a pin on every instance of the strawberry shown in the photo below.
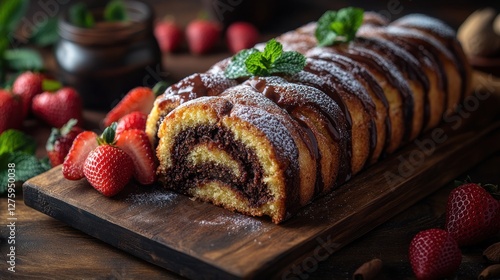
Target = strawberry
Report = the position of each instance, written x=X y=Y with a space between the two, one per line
x=134 y=120
x=472 y=214
x=57 y=108
x=27 y=85
x=138 y=99
x=136 y=144
x=60 y=141
x=108 y=169
x=10 y=108
x=434 y=254
x=202 y=35
x=241 y=35
x=83 y=144
x=169 y=35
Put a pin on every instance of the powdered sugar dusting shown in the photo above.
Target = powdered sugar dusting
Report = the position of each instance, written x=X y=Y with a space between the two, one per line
x=156 y=199
x=233 y=224
x=269 y=124
x=427 y=23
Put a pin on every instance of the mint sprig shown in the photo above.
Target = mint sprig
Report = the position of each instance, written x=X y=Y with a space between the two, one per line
x=273 y=60
x=338 y=26
x=19 y=149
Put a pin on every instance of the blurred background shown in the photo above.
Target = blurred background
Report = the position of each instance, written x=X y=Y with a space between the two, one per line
x=270 y=17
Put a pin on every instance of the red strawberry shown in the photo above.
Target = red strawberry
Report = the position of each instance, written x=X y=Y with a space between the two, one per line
x=83 y=144
x=138 y=99
x=108 y=169
x=169 y=35
x=61 y=140
x=202 y=35
x=27 y=85
x=57 y=108
x=134 y=120
x=434 y=254
x=241 y=35
x=10 y=108
x=472 y=214
x=136 y=144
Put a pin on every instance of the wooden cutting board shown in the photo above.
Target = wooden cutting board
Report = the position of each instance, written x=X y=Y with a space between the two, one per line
x=199 y=240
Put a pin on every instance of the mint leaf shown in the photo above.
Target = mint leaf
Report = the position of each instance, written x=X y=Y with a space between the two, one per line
x=21 y=59
x=16 y=141
x=26 y=167
x=115 y=11
x=45 y=34
x=289 y=62
x=80 y=16
x=272 y=50
x=338 y=26
x=257 y=64
x=237 y=67
x=272 y=60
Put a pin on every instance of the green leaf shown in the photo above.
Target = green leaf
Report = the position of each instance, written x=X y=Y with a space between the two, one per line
x=26 y=167
x=51 y=85
x=22 y=59
x=257 y=64
x=16 y=141
x=338 y=26
x=80 y=16
x=11 y=12
x=45 y=34
x=115 y=11
x=273 y=50
x=290 y=63
x=237 y=67
x=108 y=135
x=271 y=61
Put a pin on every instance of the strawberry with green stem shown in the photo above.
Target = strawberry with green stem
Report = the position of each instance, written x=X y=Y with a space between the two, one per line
x=61 y=140
x=58 y=107
x=472 y=214
x=108 y=168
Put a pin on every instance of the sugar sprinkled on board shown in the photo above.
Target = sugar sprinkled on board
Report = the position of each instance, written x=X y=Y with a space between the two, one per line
x=156 y=199
x=234 y=223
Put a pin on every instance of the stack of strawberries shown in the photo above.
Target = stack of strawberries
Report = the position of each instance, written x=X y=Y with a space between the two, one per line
x=122 y=152
x=33 y=94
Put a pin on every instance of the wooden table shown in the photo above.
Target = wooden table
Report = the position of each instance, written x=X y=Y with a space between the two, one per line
x=48 y=249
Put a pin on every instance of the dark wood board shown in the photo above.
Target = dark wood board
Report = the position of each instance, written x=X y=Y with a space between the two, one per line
x=199 y=240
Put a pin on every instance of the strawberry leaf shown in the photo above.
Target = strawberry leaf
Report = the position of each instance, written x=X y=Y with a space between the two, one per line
x=338 y=26
x=108 y=135
x=51 y=85
x=272 y=60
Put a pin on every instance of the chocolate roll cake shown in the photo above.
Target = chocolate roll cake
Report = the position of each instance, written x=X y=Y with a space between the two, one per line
x=268 y=145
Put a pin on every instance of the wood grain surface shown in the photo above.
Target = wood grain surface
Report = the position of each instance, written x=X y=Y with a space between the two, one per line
x=199 y=240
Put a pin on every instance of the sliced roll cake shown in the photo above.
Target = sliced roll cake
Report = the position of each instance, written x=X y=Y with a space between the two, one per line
x=268 y=145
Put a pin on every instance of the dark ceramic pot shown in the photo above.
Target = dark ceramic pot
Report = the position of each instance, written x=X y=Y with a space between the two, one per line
x=106 y=61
